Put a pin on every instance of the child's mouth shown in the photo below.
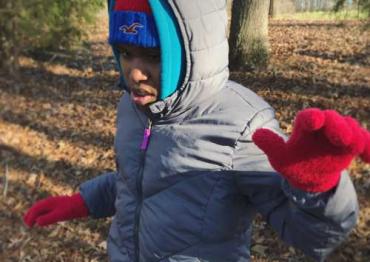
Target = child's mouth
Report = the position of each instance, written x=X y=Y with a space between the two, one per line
x=140 y=93
x=142 y=97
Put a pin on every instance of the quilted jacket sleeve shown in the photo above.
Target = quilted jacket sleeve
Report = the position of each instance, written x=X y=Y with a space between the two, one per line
x=315 y=223
x=99 y=194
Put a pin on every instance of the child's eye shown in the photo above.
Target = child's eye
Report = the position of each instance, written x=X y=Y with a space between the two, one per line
x=125 y=54
x=154 y=58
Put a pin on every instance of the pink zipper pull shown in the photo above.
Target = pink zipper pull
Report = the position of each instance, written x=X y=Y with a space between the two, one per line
x=146 y=137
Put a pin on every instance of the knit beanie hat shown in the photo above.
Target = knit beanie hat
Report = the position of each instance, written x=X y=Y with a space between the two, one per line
x=148 y=24
x=132 y=22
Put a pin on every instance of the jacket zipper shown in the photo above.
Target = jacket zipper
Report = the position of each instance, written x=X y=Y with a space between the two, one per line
x=143 y=147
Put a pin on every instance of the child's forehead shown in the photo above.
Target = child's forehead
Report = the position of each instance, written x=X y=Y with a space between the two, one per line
x=138 y=49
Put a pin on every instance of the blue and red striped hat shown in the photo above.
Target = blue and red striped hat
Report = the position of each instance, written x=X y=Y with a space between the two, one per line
x=132 y=22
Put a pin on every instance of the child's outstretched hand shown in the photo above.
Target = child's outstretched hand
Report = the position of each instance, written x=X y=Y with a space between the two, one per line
x=322 y=144
x=54 y=209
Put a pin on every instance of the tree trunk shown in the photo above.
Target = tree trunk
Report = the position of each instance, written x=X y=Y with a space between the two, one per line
x=271 y=8
x=249 y=34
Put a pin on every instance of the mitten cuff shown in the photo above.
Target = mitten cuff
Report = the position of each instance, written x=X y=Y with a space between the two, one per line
x=304 y=199
x=79 y=208
x=316 y=184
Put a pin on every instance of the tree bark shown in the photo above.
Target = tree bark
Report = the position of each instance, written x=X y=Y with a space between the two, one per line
x=249 y=34
x=271 y=8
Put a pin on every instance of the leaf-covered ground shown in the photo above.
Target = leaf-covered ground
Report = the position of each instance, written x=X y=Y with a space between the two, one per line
x=57 y=126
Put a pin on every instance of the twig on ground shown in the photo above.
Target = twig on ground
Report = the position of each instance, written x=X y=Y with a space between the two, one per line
x=6 y=181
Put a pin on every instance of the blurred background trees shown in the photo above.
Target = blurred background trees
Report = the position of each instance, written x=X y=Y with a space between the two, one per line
x=59 y=24
x=249 y=44
x=42 y=24
x=362 y=5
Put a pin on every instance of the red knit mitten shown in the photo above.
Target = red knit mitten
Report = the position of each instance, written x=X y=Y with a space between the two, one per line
x=54 y=209
x=322 y=144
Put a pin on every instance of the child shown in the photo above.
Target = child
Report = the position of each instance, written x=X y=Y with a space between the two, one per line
x=190 y=170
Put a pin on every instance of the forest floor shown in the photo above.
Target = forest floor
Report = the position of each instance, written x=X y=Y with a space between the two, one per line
x=57 y=127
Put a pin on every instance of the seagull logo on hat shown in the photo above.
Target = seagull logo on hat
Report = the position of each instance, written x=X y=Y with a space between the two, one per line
x=131 y=29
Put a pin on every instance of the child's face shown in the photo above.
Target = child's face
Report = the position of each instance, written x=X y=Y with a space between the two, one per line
x=141 y=69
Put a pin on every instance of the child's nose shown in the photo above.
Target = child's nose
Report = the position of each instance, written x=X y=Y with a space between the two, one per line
x=138 y=73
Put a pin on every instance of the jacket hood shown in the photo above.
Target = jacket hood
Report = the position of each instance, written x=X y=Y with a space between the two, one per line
x=203 y=54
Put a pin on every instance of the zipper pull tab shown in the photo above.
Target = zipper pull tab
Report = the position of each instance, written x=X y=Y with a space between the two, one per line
x=146 y=137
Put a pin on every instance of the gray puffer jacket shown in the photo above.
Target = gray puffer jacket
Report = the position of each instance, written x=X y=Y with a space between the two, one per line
x=193 y=193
